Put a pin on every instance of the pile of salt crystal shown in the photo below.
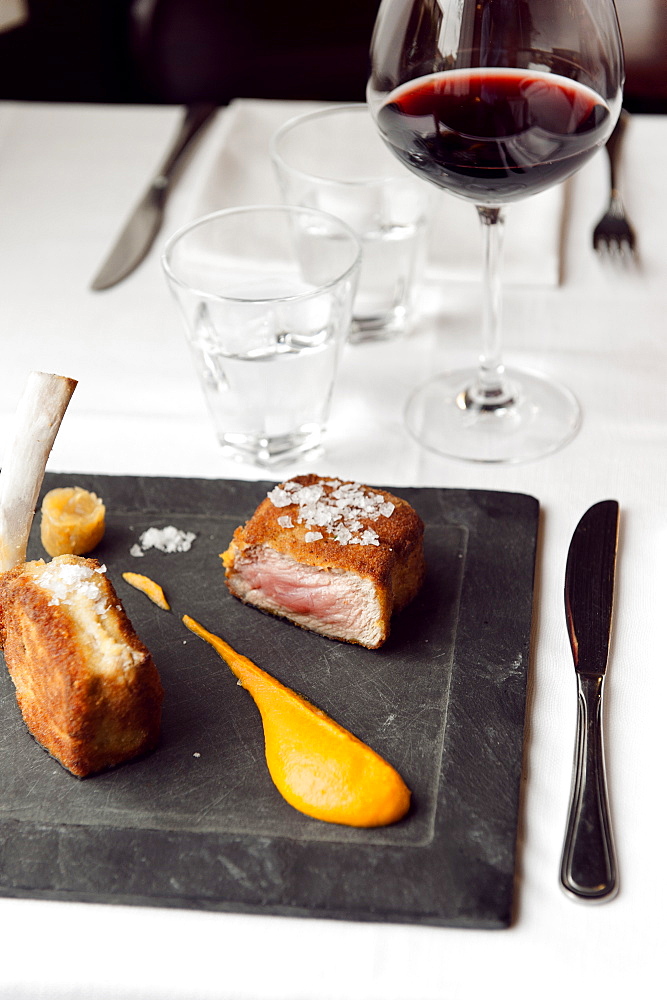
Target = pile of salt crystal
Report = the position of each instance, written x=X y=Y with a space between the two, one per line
x=339 y=507
x=65 y=581
x=169 y=539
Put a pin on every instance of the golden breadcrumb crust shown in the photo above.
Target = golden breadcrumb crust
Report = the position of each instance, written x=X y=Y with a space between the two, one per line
x=87 y=718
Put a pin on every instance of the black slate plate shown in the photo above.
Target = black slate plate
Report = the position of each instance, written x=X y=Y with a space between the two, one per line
x=199 y=824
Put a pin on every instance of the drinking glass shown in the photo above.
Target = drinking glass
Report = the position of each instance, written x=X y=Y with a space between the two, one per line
x=493 y=101
x=266 y=296
x=334 y=160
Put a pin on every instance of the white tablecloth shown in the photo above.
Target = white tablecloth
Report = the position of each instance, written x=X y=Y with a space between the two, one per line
x=68 y=176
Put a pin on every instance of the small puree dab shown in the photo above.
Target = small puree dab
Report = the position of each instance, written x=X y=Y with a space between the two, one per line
x=148 y=587
x=320 y=768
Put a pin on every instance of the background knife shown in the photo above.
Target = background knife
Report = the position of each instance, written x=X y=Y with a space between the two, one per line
x=141 y=229
x=588 y=864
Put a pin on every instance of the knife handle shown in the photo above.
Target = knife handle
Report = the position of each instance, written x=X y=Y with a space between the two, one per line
x=195 y=116
x=588 y=864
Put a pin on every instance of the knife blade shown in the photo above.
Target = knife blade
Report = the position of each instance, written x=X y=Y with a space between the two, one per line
x=139 y=233
x=588 y=862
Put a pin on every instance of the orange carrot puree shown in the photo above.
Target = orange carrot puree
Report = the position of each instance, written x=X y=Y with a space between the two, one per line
x=319 y=767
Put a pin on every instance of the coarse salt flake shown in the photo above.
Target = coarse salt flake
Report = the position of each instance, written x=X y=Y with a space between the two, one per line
x=169 y=539
x=344 y=509
x=66 y=581
x=280 y=497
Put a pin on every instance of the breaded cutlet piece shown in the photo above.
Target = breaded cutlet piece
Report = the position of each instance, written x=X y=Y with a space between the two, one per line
x=87 y=687
x=335 y=557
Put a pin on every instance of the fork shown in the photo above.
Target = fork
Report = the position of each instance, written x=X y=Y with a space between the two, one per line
x=614 y=237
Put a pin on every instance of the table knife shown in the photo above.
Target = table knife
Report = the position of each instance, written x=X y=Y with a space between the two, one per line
x=588 y=864
x=143 y=225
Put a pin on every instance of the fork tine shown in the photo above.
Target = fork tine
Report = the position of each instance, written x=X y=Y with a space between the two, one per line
x=618 y=249
x=613 y=237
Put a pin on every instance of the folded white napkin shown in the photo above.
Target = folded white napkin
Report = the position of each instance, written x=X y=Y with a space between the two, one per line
x=235 y=169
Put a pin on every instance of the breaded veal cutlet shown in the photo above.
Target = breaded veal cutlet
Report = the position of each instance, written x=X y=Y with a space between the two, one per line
x=335 y=557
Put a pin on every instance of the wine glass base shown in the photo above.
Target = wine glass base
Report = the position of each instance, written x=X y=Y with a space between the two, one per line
x=541 y=417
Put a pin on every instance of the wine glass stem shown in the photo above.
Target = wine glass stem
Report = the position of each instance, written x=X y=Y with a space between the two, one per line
x=491 y=390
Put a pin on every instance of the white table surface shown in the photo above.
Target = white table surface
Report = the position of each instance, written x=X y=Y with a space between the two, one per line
x=68 y=176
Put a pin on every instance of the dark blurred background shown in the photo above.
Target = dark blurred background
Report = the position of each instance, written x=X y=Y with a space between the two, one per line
x=69 y=50
x=176 y=51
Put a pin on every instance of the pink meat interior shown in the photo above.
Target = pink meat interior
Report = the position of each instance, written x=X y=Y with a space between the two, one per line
x=336 y=602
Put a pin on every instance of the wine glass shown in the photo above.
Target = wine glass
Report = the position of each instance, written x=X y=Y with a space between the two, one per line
x=494 y=101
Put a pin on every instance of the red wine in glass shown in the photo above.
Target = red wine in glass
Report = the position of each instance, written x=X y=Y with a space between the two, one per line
x=494 y=135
